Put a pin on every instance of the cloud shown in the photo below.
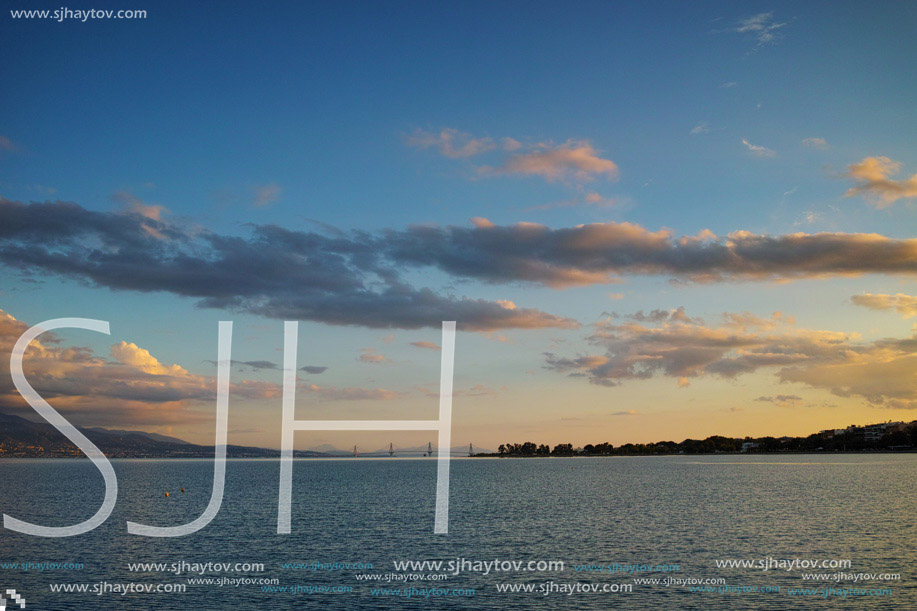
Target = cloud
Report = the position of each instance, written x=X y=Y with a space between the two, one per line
x=313 y=369
x=369 y=355
x=130 y=387
x=815 y=143
x=591 y=199
x=277 y=273
x=729 y=85
x=330 y=393
x=575 y=159
x=43 y=190
x=134 y=205
x=880 y=372
x=747 y=320
x=427 y=345
x=511 y=144
x=455 y=144
x=808 y=218
x=906 y=305
x=256 y=365
x=781 y=399
x=355 y=278
x=139 y=358
x=873 y=175
x=762 y=26
x=266 y=194
x=7 y=145
x=599 y=253
x=133 y=387
x=701 y=128
x=758 y=151
x=478 y=390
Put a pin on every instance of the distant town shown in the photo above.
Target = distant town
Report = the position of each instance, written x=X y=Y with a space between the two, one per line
x=882 y=436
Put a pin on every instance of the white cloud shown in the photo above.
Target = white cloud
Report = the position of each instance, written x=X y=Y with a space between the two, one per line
x=762 y=26
x=758 y=151
x=815 y=143
x=455 y=144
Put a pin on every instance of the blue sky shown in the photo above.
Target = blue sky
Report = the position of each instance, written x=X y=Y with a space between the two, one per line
x=380 y=117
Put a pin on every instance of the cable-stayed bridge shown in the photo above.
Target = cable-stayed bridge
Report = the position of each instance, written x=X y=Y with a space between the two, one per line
x=394 y=451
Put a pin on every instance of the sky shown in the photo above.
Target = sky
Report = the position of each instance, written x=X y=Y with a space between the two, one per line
x=650 y=221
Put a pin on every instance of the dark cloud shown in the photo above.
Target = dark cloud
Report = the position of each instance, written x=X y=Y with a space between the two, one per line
x=313 y=369
x=251 y=364
x=780 y=399
x=601 y=252
x=275 y=272
x=356 y=278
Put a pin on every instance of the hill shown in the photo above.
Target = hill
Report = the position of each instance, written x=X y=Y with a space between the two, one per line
x=23 y=438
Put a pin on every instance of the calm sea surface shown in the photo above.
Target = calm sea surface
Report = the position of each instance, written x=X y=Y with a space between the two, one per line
x=685 y=511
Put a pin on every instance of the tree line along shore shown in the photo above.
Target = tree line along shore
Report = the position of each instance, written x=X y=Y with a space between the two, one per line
x=885 y=436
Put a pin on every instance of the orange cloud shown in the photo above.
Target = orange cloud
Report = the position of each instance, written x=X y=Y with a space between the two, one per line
x=573 y=159
x=369 y=355
x=669 y=343
x=133 y=387
x=875 y=182
x=427 y=345
x=330 y=393
x=906 y=305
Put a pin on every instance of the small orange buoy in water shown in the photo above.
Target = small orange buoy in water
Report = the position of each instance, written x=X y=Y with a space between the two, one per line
x=182 y=489
x=167 y=494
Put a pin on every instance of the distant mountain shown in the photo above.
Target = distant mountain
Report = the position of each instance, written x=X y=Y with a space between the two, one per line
x=156 y=436
x=327 y=448
x=23 y=438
